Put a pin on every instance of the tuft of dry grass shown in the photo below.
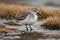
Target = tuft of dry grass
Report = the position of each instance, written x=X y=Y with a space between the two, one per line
x=7 y=10
x=48 y=13
x=52 y=23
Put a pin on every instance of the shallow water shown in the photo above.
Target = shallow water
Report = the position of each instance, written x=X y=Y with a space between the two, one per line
x=36 y=27
x=38 y=30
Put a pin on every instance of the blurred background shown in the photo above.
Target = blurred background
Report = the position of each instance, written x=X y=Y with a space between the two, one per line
x=50 y=19
x=33 y=2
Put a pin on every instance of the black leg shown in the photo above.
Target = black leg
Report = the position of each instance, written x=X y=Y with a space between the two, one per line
x=26 y=28
x=30 y=28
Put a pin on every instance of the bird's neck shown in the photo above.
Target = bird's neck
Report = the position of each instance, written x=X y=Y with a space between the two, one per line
x=33 y=16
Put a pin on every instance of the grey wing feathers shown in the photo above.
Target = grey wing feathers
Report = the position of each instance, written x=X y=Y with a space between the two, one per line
x=22 y=16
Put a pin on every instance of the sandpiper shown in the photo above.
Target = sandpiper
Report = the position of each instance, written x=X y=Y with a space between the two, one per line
x=30 y=19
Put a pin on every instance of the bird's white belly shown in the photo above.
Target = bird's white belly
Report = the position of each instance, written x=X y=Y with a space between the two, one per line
x=29 y=20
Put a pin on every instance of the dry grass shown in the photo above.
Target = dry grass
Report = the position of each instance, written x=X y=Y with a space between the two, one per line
x=53 y=19
x=7 y=30
x=6 y=11
x=49 y=13
x=52 y=23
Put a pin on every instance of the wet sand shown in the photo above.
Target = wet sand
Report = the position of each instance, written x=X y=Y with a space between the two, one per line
x=39 y=33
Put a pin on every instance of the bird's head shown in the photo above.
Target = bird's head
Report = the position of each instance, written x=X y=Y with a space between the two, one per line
x=35 y=11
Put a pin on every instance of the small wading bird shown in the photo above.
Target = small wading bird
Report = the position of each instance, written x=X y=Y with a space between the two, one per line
x=30 y=19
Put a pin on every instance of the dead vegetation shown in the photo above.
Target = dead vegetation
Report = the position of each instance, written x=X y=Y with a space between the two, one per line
x=52 y=23
x=6 y=10
x=52 y=16
x=49 y=13
x=8 y=30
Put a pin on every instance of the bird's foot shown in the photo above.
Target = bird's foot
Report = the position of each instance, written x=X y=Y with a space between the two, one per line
x=31 y=29
x=26 y=29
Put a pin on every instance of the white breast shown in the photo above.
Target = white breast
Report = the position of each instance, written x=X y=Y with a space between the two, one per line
x=30 y=20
